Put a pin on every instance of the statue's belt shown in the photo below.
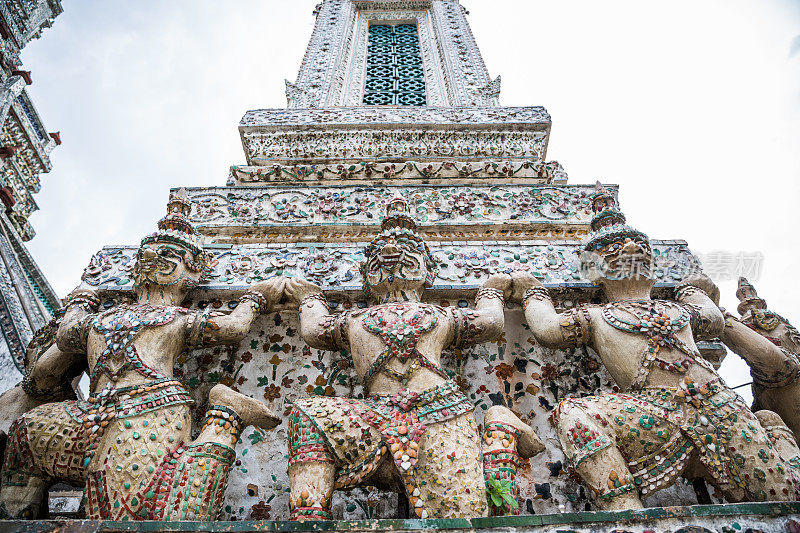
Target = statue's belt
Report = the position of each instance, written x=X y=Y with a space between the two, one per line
x=436 y=404
x=131 y=401
x=400 y=421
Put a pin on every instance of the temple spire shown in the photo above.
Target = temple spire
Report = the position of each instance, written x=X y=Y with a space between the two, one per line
x=405 y=53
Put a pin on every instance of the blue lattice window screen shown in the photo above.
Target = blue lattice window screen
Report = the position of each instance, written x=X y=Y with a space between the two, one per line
x=394 y=66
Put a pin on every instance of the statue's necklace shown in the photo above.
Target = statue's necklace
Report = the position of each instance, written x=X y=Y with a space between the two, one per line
x=119 y=327
x=653 y=320
x=400 y=329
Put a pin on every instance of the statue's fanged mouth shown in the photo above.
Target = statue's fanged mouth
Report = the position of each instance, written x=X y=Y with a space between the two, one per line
x=390 y=259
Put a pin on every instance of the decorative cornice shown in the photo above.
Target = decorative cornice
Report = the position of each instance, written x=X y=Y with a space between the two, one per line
x=392 y=4
x=335 y=265
x=482 y=211
x=396 y=145
x=529 y=118
x=424 y=134
x=411 y=172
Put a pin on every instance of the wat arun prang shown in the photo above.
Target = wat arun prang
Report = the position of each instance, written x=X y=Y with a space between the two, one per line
x=398 y=307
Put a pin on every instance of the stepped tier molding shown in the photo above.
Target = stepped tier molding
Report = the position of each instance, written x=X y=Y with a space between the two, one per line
x=252 y=211
x=424 y=134
x=373 y=172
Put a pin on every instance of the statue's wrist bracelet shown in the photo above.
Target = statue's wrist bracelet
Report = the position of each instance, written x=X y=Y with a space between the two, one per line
x=485 y=293
x=87 y=300
x=683 y=290
x=256 y=300
x=308 y=301
x=535 y=293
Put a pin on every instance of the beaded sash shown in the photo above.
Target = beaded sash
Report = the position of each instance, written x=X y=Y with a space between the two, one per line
x=400 y=332
x=119 y=327
x=654 y=322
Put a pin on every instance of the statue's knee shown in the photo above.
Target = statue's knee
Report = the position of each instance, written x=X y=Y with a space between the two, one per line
x=580 y=433
x=568 y=412
x=297 y=422
x=306 y=441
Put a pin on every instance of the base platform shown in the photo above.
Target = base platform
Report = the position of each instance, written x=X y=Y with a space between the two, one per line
x=728 y=518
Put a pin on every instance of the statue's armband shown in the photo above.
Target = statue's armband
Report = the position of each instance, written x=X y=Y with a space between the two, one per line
x=77 y=337
x=199 y=329
x=700 y=324
x=467 y=329
x=576 y=326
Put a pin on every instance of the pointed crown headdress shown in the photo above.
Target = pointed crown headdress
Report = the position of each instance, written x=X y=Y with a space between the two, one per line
x=400 y=225
x=176 y=228
x=608 y=222
x=748 y=297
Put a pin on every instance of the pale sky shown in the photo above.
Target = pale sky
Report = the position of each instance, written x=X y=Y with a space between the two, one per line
x=692 y=106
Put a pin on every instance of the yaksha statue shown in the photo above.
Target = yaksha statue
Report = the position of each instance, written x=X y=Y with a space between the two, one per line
x=415 y=430
x=770 y=345
x=130 y=442
x=676 y=416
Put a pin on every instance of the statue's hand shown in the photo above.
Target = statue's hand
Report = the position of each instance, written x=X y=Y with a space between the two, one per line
x=500 y=282
x=271 y=289
x=82 y=291
x=520 y=282
x=297 y=289
x=86 y=298
x=703 y=282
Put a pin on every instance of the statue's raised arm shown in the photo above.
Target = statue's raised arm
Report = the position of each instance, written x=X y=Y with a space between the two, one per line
x=771 y=347
x=549 y=327
x=318 y=327
x=486 y=321
x=700 y=297
x=210 y=329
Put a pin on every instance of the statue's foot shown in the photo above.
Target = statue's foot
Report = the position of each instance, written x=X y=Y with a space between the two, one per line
x=250 y=410
x=23 y=501
x=528 y=442
x=769 y=418
x=623 y=502
x=779 y=434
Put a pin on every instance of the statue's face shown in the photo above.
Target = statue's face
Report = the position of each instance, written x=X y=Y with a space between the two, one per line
x=164 y=264
x=396 y=263
x=623 y=258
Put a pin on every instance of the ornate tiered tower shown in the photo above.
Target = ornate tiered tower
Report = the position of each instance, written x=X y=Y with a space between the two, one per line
x=26 y=299
x=392 y=100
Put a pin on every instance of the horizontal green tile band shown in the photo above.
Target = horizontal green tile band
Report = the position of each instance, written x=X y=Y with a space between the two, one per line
x=738 y=511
